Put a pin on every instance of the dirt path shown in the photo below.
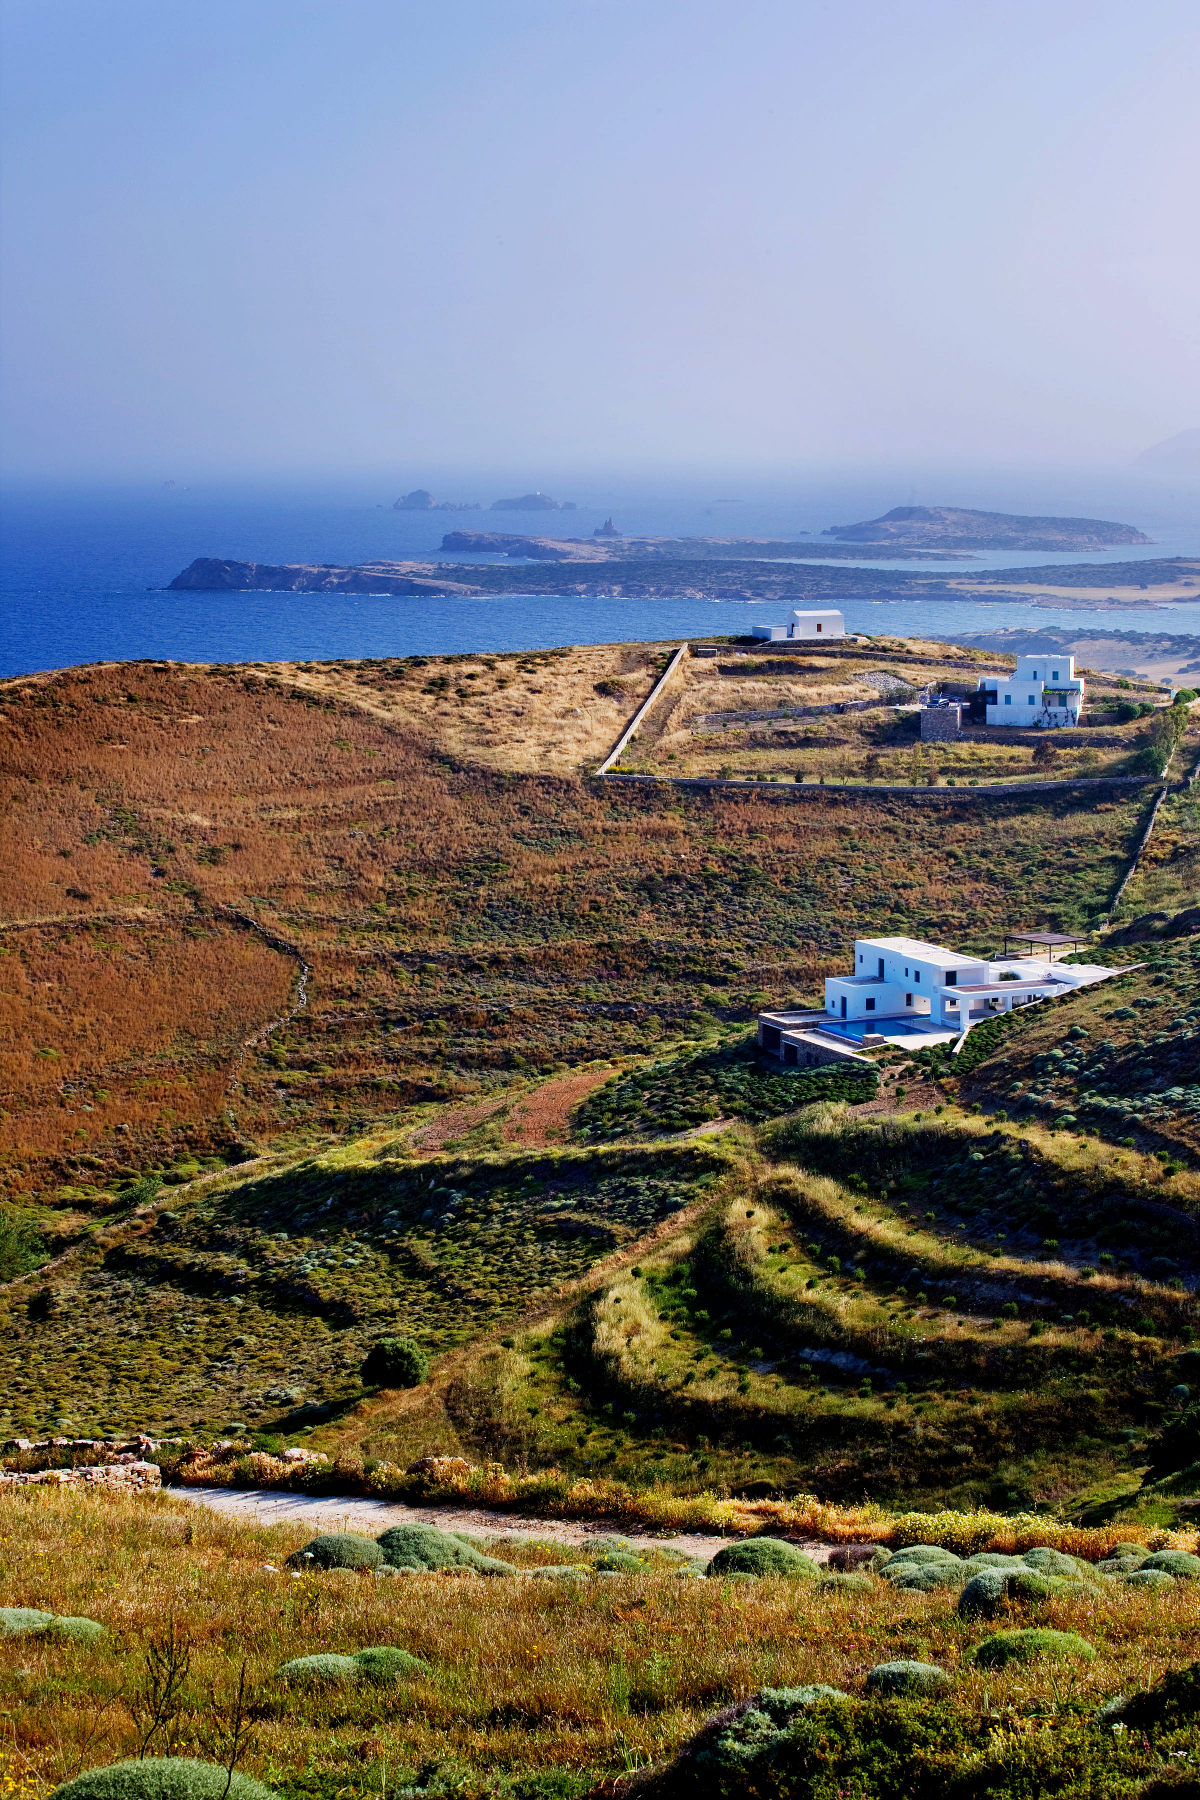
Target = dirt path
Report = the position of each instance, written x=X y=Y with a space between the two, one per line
x=263 y=1507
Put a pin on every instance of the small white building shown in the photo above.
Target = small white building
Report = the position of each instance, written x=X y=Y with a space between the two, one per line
x=901 y=988
x=803 y=625
x=1042 y=690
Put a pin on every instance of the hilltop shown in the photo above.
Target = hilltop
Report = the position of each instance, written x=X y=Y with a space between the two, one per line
x=966 y=529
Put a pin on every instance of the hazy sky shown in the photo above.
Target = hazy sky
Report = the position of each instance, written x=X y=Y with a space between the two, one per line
x=242 y=235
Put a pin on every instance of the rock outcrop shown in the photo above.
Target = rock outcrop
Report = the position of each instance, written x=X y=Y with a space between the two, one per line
x=421 y=500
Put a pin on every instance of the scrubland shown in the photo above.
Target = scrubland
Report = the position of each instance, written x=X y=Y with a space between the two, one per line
x=355 y=1016
x=534 y=1686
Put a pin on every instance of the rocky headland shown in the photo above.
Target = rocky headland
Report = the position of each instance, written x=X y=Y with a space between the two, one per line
x=214 y=575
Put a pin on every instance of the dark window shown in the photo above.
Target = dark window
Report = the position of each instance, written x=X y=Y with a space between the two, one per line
x=870 y=1006
x=843 y=1006
x=881 y=968
x=917 y=976
x=770 y=1037
x=908 y=999
x=951 y=977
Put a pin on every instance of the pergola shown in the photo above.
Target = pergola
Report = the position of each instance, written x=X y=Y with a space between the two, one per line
x=1054 y=943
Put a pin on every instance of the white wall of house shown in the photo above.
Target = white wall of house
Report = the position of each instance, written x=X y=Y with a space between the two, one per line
x=821 y=624
x=1042 y=690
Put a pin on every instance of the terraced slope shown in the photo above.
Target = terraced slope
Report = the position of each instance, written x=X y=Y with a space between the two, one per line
x=1122 y=1059
x=255 y=1302
x=950 y=1310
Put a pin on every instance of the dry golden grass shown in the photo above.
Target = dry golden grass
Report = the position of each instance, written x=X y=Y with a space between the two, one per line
x=525 y=1675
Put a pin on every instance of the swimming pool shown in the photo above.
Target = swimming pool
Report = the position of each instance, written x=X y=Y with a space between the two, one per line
x=885 y=1027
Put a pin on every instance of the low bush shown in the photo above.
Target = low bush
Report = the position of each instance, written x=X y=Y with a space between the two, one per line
x=763 y=1556
x=1004 y=1647
x=338 y=1550
x=905 y=1677
x=162 y=1778
x=1174 y=1562
x=384 y=1662
x=76 y=1631
x=425 y=1547
x=395 y=1362
x=20 y=1621
x=322 y=1670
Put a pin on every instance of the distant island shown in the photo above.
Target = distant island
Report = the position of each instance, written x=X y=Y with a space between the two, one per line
x=943 y=527
x=421 y=500
x=533 y=503
x=612 y=546
x=591 y=570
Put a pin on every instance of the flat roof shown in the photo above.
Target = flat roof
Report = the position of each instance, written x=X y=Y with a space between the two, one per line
x=906 y=946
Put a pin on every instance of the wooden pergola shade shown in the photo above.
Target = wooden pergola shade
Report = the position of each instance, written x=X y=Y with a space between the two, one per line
x=1044 y=940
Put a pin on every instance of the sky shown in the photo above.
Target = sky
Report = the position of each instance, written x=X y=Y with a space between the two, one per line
x=260 y=237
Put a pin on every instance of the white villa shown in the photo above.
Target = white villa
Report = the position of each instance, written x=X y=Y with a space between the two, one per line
x=803 y=625
x=1042 y=690
x=902 y=988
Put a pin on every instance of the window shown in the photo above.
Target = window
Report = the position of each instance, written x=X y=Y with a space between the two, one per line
x=906 y=973
x=870 y=1006
x=951 y=977
x=1008 y=699
x=818 y=624
x=1033 y=699
x=907 y=997
x=1054 y=675
x=860 y=956
x=917 y=975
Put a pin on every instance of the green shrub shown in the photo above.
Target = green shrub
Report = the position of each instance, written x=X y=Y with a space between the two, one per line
x=19 y=1621
x=383 y=1662
x=763 y=1556
x=1055 y=1562
x=990 y=1559
x=1147 y=1578
x=921 y=1553
x=76 y=1631
x=847 y=1584
x=1004 y=1647
x=619 y=1562
x=906 y=1678
x=324 y=1670
x=162 y=1778
x=21 y=1245
x=1174 y=1562
x=338 y=1550
x=923 y=1578
x=984 y=1594
x=425 y=1547
x=1174 y=1700
x=395 y=1362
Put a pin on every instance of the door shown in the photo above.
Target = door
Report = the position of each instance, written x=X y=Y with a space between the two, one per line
x=843 y=1006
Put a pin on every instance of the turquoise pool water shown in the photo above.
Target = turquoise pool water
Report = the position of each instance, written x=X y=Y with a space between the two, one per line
x=886 y=1027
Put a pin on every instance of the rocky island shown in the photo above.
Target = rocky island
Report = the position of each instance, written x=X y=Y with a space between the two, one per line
x=591 y=571
x=962 y=528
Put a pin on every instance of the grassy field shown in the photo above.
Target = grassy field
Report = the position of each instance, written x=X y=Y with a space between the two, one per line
x=534 y=1686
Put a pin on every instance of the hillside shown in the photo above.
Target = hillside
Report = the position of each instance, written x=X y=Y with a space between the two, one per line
x=428 y=1140
x=361 y=1010
x=964 y=528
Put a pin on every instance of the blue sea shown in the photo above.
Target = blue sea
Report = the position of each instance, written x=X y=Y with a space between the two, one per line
x=84 y=570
